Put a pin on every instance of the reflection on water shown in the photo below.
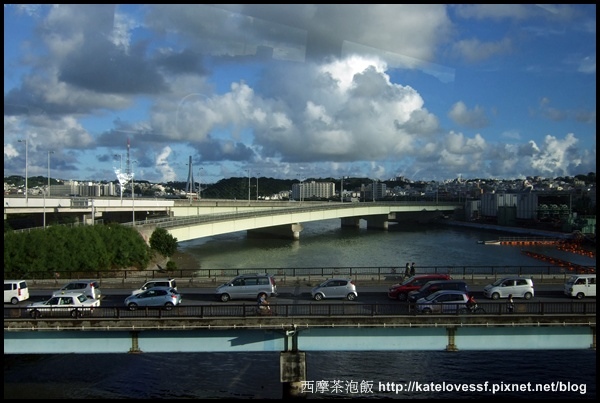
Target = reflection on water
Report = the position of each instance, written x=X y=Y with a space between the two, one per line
x=256 y=375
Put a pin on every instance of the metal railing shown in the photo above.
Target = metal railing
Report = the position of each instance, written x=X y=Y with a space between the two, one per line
x=227 y=310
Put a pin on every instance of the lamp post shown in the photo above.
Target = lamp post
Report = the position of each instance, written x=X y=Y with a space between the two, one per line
x=26 y=196
x=248 y=186
x=49 y=152
x=342 y=191
x=120 y=172
x=132 y=195
x=258 y=173
x=200 y=183
x=44 y=194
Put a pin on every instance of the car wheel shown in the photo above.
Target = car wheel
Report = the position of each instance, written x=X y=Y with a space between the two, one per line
x=528 y=295
x=318 y=296
x=169 y=306
x=76 y=313
x=132 y=306
x=402 y=297
x=35 y=314
x=495 y=295
x=14 y=301
x=225 y=297
x=427 y=311
x=579 y=295
x=351 y=296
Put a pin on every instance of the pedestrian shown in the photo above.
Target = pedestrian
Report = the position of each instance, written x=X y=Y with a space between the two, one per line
x=407 y=270
x=510 y=305
x=412 y=268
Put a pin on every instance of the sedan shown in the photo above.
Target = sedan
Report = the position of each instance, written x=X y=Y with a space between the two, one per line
x=335 y=288
x=157 y=296
x=74 y=304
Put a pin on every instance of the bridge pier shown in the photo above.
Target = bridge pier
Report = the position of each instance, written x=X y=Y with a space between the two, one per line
x=451 y=332
x=378 y=222
x=288 y=231
x=292 y=365
x=351 y=222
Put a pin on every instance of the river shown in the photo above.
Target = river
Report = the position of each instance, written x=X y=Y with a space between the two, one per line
x=569 y=374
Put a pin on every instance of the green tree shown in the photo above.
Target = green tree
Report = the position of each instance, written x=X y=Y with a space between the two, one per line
x=163 y=242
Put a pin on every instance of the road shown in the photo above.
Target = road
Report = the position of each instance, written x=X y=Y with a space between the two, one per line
x=297 y=295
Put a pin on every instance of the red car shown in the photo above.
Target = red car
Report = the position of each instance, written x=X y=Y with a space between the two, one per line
x=400 y=291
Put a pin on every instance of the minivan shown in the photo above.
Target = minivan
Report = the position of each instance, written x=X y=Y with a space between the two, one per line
x=433 y=286
x=517 y=287
x=15 y=291
x=580 y=285
x=400 y=291
x=91 y=288
x=157 y=282
x=247 y=286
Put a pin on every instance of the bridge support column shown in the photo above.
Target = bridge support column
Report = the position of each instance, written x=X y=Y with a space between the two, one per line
x=451 y=331
x=351 y=222
x=292 y=365
x=289 y=231
x=135 y=346
x=377 y=222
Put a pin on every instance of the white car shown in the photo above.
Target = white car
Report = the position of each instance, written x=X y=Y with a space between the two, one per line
x=518 y=287
x=75 y=304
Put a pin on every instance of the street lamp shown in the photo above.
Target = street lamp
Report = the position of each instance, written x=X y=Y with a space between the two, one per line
x=248 y=186
x=49 y=152
x=200 y=183
x=25 y=141
x=258 y=173
x=132 y=195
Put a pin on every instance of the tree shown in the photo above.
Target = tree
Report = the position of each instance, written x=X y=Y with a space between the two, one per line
x=163 y=242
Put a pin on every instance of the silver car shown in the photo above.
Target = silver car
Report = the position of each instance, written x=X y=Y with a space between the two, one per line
x=335 y=288
x=443 y=301
x=166 y=297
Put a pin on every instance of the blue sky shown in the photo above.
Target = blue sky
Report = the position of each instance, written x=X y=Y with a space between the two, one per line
x=428 y=92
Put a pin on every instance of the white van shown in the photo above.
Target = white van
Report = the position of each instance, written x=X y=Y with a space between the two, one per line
x=581 y=285
x=15 y=291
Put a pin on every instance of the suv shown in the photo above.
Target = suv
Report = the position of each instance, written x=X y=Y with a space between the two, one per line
x=400 y=291
x=91 y=288
x=70 y=303
x=433 y=286
x=443 y=301
x=247 y=286
x=519 y=287
x=157 y=282
x=335 y=288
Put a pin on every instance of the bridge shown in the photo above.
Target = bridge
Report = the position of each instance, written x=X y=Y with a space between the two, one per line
x=296 y=329
x=187 y=220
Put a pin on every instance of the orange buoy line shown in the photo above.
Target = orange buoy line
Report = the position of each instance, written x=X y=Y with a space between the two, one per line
x=559 y=262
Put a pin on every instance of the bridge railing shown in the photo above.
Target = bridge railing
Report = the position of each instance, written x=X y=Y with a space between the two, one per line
x=337 y=310
x=302 y=275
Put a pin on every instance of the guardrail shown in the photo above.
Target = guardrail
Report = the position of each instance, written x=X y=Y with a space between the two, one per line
x=226 y=310
x=307 y=275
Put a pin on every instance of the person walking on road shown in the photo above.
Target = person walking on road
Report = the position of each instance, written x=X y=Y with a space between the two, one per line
x=407 y=270
x=412 y=268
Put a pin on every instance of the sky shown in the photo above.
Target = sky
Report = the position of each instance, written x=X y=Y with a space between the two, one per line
x=296 y=91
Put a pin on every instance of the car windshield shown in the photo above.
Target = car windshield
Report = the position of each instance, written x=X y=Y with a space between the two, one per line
x=498 y=282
